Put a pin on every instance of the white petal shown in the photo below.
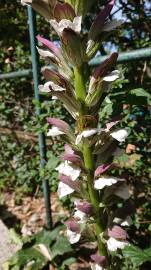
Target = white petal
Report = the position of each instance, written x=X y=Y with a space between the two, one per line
x=45 y=88
x=85 y=134
x=73 y=237
x=120 y=135
x=77 y=24
x=46 y=53
x=89 y=132
x=78 y=139
x=59 y=27
x=54 y=131
x=96 y=267
x=114 y=75
x=126 y=222
x=67 y=168
x=64 y=190
x=54 y=97
x=56 y=87
x=105 y=181
x=123 y=192
x=56 y=26
x=81 y=216
x=113 y=244
x=26 y=2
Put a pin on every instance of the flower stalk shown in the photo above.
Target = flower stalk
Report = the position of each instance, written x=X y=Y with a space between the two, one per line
x=80 y=88
x=90 y=150
x=89 y=162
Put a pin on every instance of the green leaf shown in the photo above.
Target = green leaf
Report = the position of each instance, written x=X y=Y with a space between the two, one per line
x=15 y=237
x=137 y=255
x=68 y=261
x=140 y=92
x=24 y=256
x=52 y=162
x=138 y=97
x=61 y=247
x=46 y=237
x=148 y=252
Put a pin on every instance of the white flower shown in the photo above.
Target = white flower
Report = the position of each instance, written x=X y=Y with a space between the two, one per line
x=68 y=169
x=50 y=86
x=46 y=53
x=26 y=2
x=85 y=134
x=122 y=192
x=120 y=135
x=54 y=131
x=113 y=244
x=81 y=216
x=105 y=181
x=96 y=267
x=114 y=75
x=64 y=190
x=126 y=222
x=73 y=237
x=59 y=27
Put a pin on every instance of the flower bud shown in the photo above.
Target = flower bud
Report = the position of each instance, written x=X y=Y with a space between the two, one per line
x=72 y=47
x=50 y=45
x=55 y=77
x=97 y=26
x=99 y=83
x=100 y=260
x=84 y=207
x=102 y=169
x=72 y=158
x=72 y=225
x=117 y=233
x=62 y=125
x=68 y=149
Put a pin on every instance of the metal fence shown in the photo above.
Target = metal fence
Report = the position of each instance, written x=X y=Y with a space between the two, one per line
x=141 y=54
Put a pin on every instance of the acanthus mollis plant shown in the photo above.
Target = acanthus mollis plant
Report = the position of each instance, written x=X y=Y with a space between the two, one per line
x=89 y=148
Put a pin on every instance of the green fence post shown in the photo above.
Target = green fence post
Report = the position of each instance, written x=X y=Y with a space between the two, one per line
x=42 y=144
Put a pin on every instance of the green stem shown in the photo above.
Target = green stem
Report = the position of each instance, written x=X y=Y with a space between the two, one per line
x=89 y=165
x=80 y=90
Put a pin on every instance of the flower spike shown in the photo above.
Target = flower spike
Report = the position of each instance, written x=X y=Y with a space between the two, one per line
x=90 y=147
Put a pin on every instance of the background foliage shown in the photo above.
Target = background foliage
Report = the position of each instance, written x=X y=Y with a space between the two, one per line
x=19 y=160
